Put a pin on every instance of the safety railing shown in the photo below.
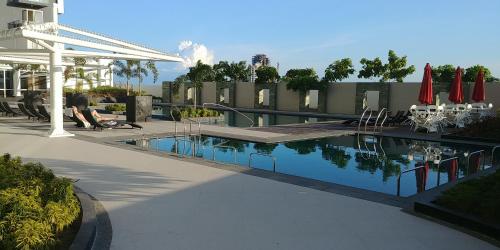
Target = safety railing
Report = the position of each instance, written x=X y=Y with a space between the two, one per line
x=493 y=150
x=177 y=140
x=401 y=174
x=441 y=164
x=363 y=116
x=265 y=155
x=184 y=122
x=383 y=111
x=235 y=151
x=232 y=109
x=480 y=153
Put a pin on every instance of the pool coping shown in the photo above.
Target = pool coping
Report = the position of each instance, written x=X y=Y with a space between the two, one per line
x=470 y=224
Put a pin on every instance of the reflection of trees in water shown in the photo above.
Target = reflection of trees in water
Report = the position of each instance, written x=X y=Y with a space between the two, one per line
x=264 y=148
x=239 y=145
x=335 y=155
x=388 y=166
x=302 y=147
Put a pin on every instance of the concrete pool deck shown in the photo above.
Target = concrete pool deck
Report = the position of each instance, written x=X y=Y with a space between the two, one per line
x=164 y=203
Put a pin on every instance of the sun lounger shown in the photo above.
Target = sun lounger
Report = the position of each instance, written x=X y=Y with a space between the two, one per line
x=43 y=111
x=25 y=111
x=3 y=110
x=37 y=114
x=9 y=110
x=107 y=124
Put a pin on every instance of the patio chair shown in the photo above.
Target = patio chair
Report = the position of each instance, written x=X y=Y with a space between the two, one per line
x=392 y=120
x=107 y=124
x=9 y=110
x=26 y=111
x=3 y=110
x=32 y=110
x=43 y=111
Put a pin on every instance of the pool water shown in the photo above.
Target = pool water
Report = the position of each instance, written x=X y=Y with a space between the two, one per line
x=371 y=163
x=235 y=119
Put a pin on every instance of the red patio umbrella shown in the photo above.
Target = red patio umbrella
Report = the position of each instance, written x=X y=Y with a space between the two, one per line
x=456 y=93
x=425 y=96
x=421 y=177
x=478 y=95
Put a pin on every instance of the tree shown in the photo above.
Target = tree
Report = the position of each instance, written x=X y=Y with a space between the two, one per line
x=78 y=72
x=141 y=71
x=220 y=70
x=199 y=73
x=267 y=74
x=126 y=70
x=237 y=71
x=177 y=84
x=396 y=68
x=371 y=68
x=32 y=68
x=443 y=73
x=303 y=80
x=471 y=74
x=339 y=70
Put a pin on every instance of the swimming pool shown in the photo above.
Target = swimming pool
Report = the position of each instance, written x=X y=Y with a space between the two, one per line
x=365 y=162
x=235 y=119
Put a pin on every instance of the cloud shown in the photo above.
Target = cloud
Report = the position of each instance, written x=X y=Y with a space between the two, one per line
x=193 y=52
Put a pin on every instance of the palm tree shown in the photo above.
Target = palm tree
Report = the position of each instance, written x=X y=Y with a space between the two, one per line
x=199 y=73
x=141 y=71
x=78 y=72
x=126 y=70
x=237 y=71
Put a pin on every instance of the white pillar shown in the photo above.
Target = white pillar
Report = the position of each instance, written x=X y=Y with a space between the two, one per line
x=16 y=82
x=56 y=95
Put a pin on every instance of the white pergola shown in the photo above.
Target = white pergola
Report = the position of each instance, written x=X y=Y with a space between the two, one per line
x=52 y=37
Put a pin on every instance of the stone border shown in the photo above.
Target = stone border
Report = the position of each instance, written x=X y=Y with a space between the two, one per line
x=424 y=204
x=95 y=230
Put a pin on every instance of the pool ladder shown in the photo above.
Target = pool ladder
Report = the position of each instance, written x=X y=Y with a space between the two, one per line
x=376 y=126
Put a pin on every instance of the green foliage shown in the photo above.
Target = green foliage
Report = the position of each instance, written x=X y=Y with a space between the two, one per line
x=303 y=80
x=267 y=74
x=116 y=107
x=339 y=70
x=190 y=112
x=105 y=91
x=478 y=197
x=234 y=72
x=199 y=73
x=371 y=68
x=35 y=206
x=395 y=69
x=443 y=73
x=471 y=74
x=176 y=85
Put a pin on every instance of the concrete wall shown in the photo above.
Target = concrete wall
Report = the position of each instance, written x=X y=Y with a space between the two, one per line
x=208 y=93
x=179 y=97
x=287 y=100
x=245 y=95
x=403 y=95
x=492 y=94
x=336 y=101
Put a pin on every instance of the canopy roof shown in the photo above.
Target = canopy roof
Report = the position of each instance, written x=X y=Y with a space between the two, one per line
x=99 y=46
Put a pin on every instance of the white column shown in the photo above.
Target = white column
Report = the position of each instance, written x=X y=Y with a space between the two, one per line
x=56 y=95
x=16 y=82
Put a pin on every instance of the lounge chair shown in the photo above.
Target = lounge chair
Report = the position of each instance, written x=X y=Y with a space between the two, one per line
x=37 y=114
x=9 y=110
x=108 y=124
x=396 y=118
x=3 y=110
x=79 y=123
x=26 y=111
x=43 y=111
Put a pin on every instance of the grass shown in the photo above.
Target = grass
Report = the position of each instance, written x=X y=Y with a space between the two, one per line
x=479 y=197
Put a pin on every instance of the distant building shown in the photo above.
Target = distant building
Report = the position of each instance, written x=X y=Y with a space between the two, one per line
x=257 y=61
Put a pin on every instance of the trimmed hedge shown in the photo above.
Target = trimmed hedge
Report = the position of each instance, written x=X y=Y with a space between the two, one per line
x=35 y=206
x=194 y=113
x=116 y=107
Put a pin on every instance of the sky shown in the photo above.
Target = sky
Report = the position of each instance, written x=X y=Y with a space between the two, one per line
x=300 y=33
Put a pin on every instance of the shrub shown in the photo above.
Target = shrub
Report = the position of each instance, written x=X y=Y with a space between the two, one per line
x=194 y=113
x=116 y=107
x=35 y=206
x=108 y=91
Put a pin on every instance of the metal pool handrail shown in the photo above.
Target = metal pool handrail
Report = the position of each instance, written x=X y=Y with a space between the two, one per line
x=221 y=146
x=266 y=155
x=378 y=118
x=481 y=153
x=401 y=174
x=189 y=119
x=439 y=167
x=493 y=154
x=184 y=151
x=361 y=119
x=232 y=109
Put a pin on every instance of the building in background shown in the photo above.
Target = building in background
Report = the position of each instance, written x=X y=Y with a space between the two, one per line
x=257 y=61
x=15 y=78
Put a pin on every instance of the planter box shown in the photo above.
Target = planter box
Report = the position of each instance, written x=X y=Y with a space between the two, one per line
x=139 y=108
